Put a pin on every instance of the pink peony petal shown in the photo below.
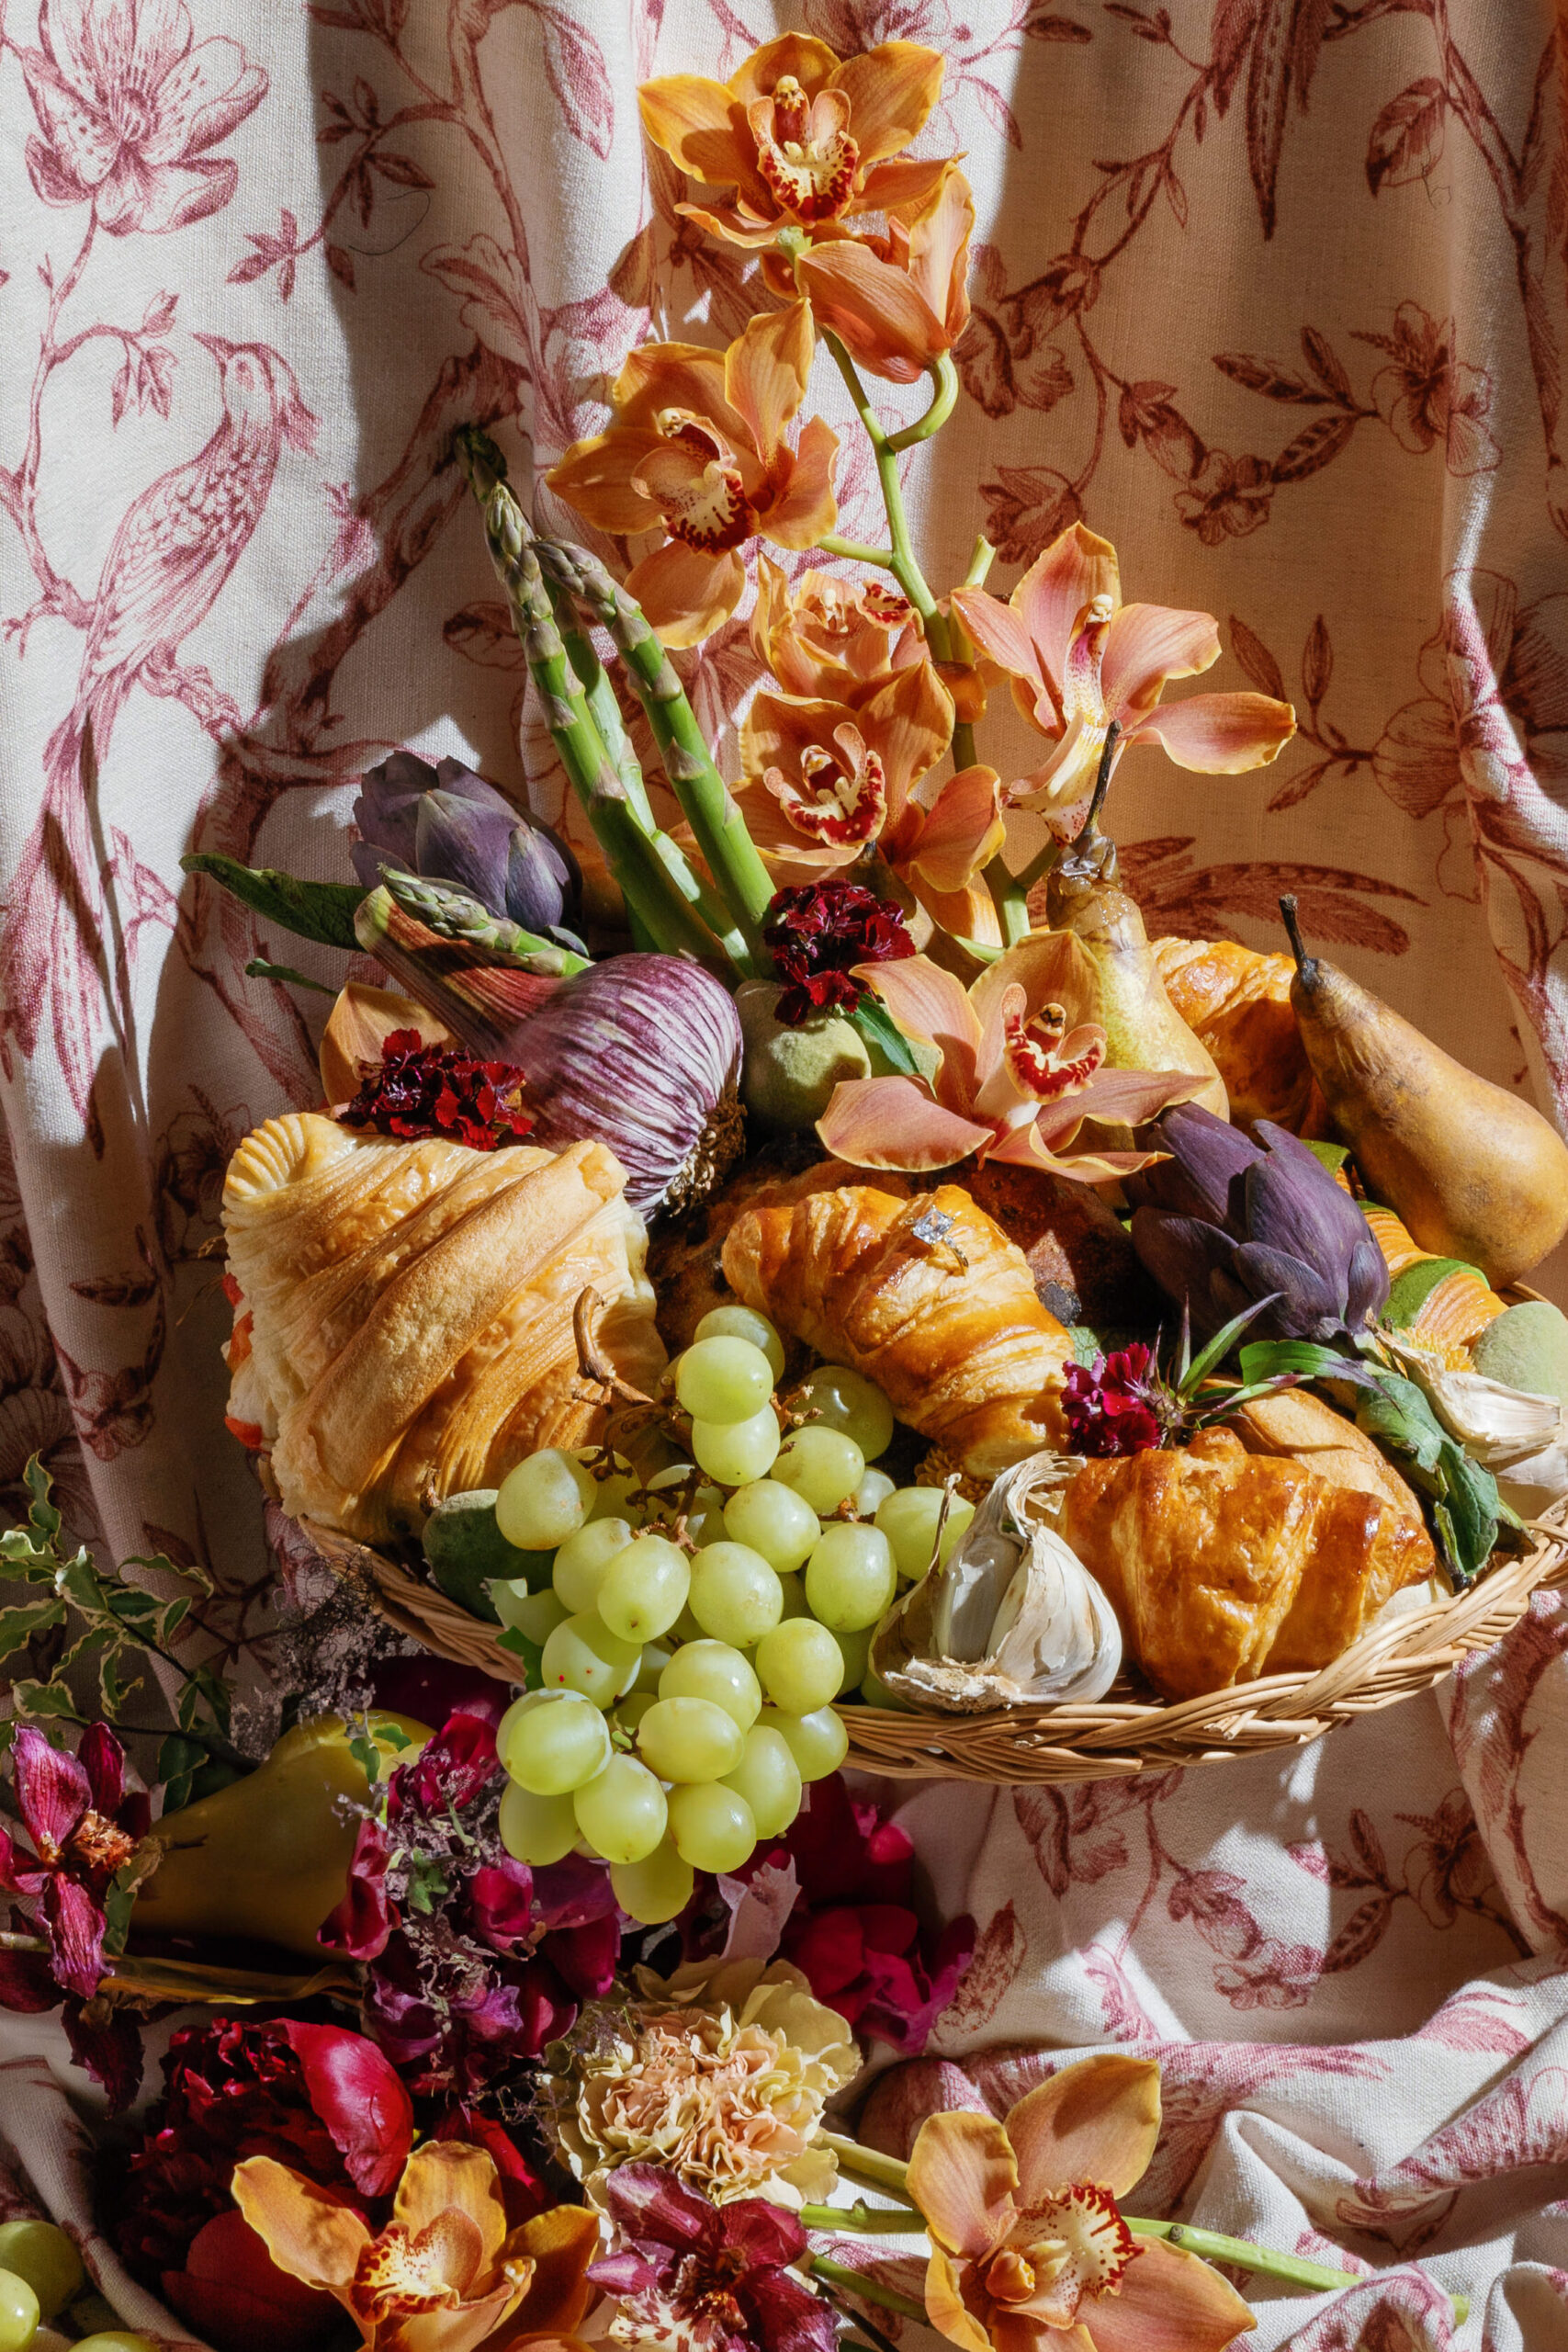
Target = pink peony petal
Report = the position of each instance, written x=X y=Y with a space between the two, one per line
x=360 y=2100
x=365 y=1918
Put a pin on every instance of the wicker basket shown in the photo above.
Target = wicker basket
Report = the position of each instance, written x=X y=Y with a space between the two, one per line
x=1123 y=1735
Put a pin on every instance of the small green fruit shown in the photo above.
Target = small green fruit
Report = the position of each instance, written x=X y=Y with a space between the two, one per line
x=790 y=1074
x=466 y=1549
x=43 y=2254
x=1409 y=1291
x=1527 y=1348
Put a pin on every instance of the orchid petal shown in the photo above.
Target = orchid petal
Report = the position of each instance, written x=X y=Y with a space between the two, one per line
x=75 y=1929
x=895 y=1123
x=930 y=1005
x=687 y=376
x=701 y=126
x=939 y=251
x=559 y=2244
x=963 y=914
x=648 y=2202
x=1219 y=734
x=1074 y=570
x=447 y=2176
x=963 y=831
x=308 y=2231
x=765 y=370
x=359 y=2097
x=596 y=476
x=901 y=184
x=1169 y=2301
x=806 y=510
x=875 y=309
x=945 y=2307
x=685 y=594
x=1129 y=1097
x=963 y=2171
x=1147 y=644
x=788 y=2316
x=1000 y=632
x=53 y=1791
x=1051 y=968
x=1097 y=2120
x=891 y=90
x=909 y=720
x=102 y=1758
x=798 y=56
x=1025 y=1147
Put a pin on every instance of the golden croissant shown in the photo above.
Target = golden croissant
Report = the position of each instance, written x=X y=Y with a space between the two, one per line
x=403 y=1311
x=1223 y=1565
x=1238 y=1000
x=928 y=1297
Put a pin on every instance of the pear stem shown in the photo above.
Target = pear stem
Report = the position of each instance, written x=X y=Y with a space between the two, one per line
x=1306 y=965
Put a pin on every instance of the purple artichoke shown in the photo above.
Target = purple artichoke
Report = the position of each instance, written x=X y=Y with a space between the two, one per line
x=449 y=825
x=1226 y=1222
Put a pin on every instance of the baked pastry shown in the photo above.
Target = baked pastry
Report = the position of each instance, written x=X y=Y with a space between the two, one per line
x=925 y=1296
x=1084 y=1265
x=1300 y=1427
x=1238 y=1001
x=403 y=1311
x=1224 y=1565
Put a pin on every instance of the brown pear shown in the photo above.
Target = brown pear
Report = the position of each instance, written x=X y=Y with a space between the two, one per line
x=1472 y=1170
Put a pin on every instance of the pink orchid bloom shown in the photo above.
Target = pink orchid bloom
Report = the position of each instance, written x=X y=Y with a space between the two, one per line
x=1079 y=657
x=1029 y=2251
x=82 y=1826
x=1021 y=1067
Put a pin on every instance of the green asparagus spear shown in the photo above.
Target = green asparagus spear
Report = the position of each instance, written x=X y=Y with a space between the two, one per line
x=451 y=914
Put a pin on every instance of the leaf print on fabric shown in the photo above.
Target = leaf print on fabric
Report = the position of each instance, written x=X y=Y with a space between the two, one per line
x=999 y=1955
x=1206 y=902
x=1521 y=2124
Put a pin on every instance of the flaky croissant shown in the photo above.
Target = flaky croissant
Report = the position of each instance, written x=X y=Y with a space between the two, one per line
x=1238 y=1001
x=1224 y=1565
x=404 y=1311
x=926 y=1296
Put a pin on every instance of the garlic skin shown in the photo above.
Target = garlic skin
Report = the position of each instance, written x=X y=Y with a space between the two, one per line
x=1521 y=1438
x=1013 y=1619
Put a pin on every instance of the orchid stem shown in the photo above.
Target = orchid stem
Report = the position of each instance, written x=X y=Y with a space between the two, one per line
x=903 y=565
x=1038 y=867
x=887 y=2173
x=980 y=562
x=853 y=551
x=870 y=2290
x=871 y=2221
x=1242 y=2255
x=945 y=377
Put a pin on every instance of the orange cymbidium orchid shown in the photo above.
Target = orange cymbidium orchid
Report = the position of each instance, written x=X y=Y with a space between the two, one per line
x=1029 y=2252
x=1079 y=657
x=830 y=637
x=802 y=137
x=827 y=778
x=444 y=2275
x=897 y=301
x=697 y=447
x=1021 y=1067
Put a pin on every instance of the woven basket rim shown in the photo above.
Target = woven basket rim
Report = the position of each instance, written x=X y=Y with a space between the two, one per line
x=1406 y=1652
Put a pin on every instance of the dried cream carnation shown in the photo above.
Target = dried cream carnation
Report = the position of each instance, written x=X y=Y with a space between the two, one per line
x=721 y=2071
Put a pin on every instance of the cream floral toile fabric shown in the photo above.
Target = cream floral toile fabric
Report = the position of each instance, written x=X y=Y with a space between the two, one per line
x=1272 y=293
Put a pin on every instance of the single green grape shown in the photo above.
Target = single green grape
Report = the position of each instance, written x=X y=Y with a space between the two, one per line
x=800 y=1665
x=115 y=2339
x=536 y=1829
x=796 y=1604
x=735 y=1596
x=644 y=1589
x=551 y=1741
x=724 y=1380
x=769 y=1779
x=545 y=1499
x=871 y=1494
x=909 y=1520
x=41 y=2252
x=534 y=1615
x=735 y=1453
x=842 y=1400
x=655 y=1889
x=713 y=1828
x=656 y=1657
x=856 y=1647
x=849 y=1577
x=621 y=1810
x=819 y=1741
x=776 y=1522
x=822 y=1467
x=744 y=1323
x=584 y=1655
x=18 y=2312
x=582 y=1559
x=713 y=1670
x=690 y=1739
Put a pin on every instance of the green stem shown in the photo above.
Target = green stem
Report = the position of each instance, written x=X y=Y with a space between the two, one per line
x=870 y=2290
x=1242 y=2255
x=1038 y=867
x=944 y=376
x=871 y=2221
x=887 y=2173
x=709 y=807
x=904 y=564
x=666 y=914
x=980 y=562
x=853 y=551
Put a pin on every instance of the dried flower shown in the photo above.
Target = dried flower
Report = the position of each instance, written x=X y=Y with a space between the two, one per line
x=698 y=2278
x=719 y=2072
x=1114 y=1406
x=445 y=2272
x=474 y=1960
x=818 y=933
x=1027 y=2244
x=424 y=1089
x=84 y=1828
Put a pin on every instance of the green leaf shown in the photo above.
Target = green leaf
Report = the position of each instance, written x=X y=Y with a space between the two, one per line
x=44 y=1699
x=530 y=1653
x=18 y=1625
x=881 y=1034
x=1331 y=1154
x=258 y=969
x=1191 y=1376
x=318 y=911
x=112 y=1690
x=171 y=1617
x=1266 y=1359
x=1393 y=1411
